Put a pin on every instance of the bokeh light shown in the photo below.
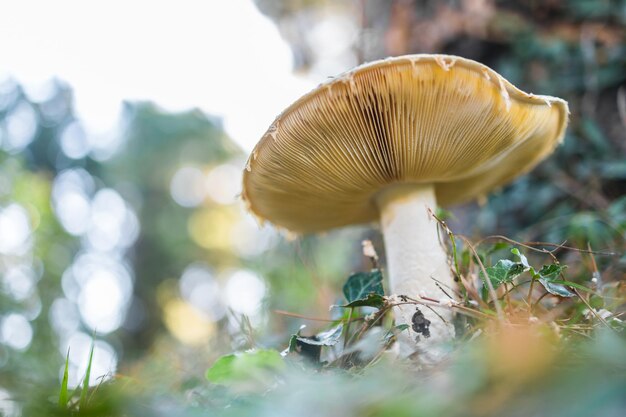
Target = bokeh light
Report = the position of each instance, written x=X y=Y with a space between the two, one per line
x=332 y=39
x=71 y=193
x=187 y=186
x=20 y=127
x=245 y=292
x=113 y=224
x=187 y=323
x=224 y=183
x=8 y=405
x=199 y=287
x=14 y=229
x=15 y=331
x=249 y=239
x=64 y=316
x=102 y=288
x=74 y=141
x=20 y=282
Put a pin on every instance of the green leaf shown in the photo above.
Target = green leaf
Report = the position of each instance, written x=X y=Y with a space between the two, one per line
x=361 y=286
x=465 y=257
x=224 y=369
x=371 y=300
x=556 y=288
x=522 y=258
x=245 y=367
x=551 y=272
x=63 y=397
x=293 y=344
x=548 y=277
x=573 y=285
x=503 y=271
x=83 y=393
x=444 y=214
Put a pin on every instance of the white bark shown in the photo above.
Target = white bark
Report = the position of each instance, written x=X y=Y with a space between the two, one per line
x=414 y=257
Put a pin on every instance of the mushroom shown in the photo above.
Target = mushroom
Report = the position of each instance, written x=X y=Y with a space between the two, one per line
x=389 y=140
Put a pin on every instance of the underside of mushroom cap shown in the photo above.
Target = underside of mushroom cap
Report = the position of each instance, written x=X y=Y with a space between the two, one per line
x=423 y=119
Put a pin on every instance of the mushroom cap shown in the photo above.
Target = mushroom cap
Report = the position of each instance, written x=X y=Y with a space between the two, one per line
x=423 y=119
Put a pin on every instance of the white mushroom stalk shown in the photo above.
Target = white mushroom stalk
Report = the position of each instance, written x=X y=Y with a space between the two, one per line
x=416 y=261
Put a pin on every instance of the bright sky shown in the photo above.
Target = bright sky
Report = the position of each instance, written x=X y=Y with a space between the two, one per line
x=220 y=55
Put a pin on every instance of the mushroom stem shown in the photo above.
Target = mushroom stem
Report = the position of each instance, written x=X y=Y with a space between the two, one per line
x=414 y=257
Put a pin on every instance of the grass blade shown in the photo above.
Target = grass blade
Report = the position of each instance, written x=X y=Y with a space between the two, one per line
x=63 y=394
x=83 y=394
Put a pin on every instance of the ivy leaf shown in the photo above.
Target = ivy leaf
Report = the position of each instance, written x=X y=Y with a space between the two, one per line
x=371 y=300
x=551 y=272
x=503 y=271
x=364 y=289
x=522 y=258
x=245 y=367
x=556 y=288
x=548 y=277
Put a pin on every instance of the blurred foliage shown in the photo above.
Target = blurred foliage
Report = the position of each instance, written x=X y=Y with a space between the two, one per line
x=386 y=390
x=547 y=355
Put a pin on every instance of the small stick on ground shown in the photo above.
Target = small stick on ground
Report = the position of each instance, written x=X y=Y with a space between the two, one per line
x=592 y=310
x=492 y=291
x=300 y=316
